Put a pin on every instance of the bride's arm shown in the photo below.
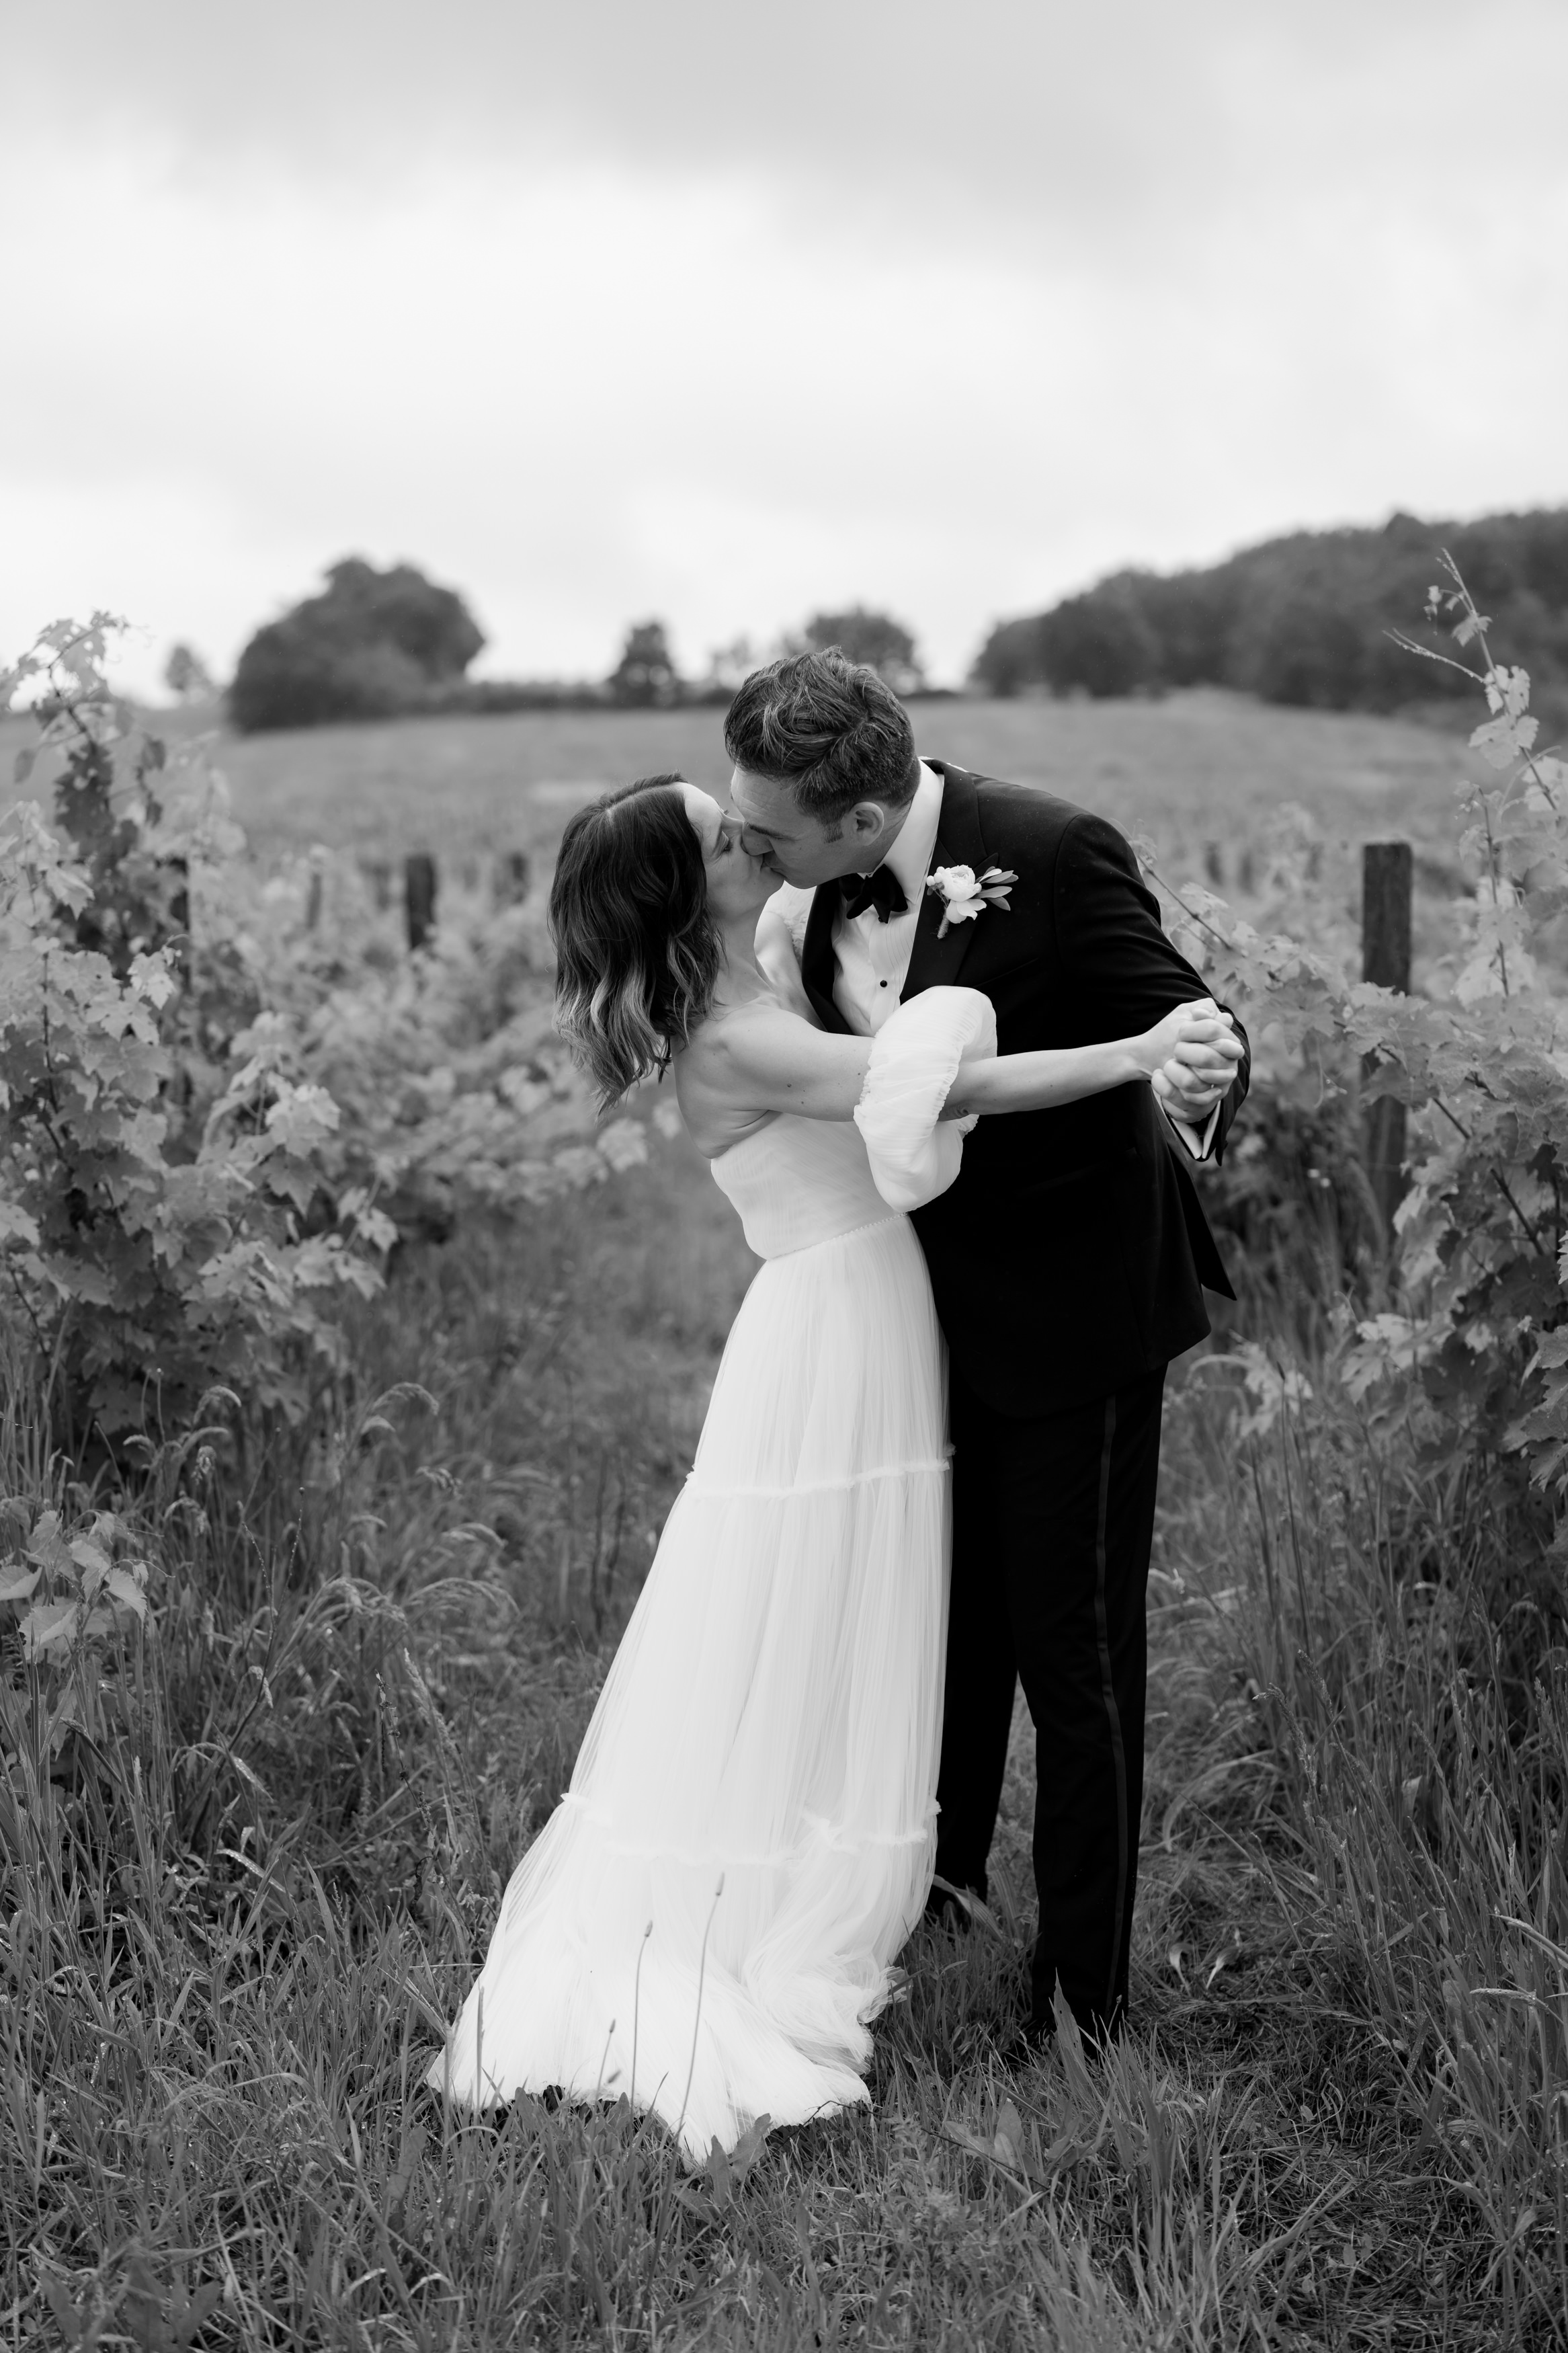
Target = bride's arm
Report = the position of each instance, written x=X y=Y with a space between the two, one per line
x=768 y=1060
x=1040 y=1082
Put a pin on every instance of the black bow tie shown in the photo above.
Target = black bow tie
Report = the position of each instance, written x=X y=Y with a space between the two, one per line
x=882 y=890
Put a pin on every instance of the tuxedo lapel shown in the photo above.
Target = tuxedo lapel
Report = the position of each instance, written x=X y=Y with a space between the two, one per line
x=818 y=970
x=934 y=962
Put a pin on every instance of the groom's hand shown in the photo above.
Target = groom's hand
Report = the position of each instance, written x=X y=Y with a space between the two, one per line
x=1190 y=1093
x=1187 y=1102
x=1197 y=1076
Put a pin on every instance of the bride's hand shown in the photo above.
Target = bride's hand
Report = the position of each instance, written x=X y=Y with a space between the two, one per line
x=1198 y=1040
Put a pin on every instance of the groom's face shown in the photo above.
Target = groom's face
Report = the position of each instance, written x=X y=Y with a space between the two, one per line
x=798 y=846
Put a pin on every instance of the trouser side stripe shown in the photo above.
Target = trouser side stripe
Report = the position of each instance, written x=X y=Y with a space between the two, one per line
x=1107 y=1693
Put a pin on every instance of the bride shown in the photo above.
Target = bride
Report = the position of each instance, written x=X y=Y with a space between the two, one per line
x=709 y=1920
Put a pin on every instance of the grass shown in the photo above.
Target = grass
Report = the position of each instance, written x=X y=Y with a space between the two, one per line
x=1203 y=775
x=238 y=1909
x=232 y=1940
x=1201 y=766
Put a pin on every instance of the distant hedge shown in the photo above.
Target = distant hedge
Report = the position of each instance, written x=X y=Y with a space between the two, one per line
x=1300 y=620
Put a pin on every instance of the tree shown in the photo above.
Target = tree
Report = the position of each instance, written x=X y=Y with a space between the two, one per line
x=1304 y=618
x=186 y=675
x=1100 y=644
x=1011 y=659
x=401 y=607
x=373 y=644
x=728 y=665
x=646 y=675
x=1303 y=649
x=875 y=639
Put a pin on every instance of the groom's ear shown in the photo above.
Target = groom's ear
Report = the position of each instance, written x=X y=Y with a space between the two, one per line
x=867 y=823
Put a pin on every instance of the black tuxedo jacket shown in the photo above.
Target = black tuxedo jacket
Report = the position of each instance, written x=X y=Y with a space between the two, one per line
x=1070 y=1256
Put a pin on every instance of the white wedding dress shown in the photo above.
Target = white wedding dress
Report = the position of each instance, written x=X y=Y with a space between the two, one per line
x=709 y=1920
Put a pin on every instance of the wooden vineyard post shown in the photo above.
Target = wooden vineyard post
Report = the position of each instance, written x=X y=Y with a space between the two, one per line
x=179 y=868
x=419 y=896
x=510 y=879
x=1386 y=870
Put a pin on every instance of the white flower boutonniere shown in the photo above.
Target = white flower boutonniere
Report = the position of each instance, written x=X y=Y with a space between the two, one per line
x=966 y=894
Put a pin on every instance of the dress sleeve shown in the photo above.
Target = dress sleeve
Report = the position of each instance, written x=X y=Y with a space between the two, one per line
x=914 y=1061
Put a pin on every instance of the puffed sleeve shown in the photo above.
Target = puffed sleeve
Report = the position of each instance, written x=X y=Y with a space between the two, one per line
x=915 y=1057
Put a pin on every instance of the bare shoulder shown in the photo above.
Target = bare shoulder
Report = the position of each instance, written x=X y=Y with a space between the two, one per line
x=720 y=1045
x=727 y=1073
x=738 y=1037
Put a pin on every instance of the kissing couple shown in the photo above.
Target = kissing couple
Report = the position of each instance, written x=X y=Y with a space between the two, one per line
x=927 y=1031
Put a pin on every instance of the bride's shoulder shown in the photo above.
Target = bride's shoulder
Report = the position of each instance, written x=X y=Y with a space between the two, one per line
x=719 y=1071
x=731 y=1030
x=736 y=1046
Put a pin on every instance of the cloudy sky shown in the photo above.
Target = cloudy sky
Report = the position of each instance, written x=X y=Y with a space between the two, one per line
x=725 y=312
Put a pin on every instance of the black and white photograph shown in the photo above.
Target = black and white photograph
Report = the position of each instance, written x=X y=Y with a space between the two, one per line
x=784 y=1132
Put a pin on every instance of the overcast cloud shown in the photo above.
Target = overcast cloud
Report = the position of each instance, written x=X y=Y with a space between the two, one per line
x=723 y=313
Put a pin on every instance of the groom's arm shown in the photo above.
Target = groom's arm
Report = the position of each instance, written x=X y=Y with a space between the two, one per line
x=1119 y=962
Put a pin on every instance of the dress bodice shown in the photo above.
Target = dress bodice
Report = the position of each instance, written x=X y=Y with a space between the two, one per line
x=796 y=1182
x=799 y=1181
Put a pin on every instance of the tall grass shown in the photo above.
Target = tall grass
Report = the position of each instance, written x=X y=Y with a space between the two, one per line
x=240 y=1907
x=1391 y=1758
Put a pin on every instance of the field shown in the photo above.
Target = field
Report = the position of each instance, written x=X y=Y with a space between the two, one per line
x=1202 y=767
x=224 y=2145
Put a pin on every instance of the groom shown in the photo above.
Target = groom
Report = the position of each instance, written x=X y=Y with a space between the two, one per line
x=1067 y=1262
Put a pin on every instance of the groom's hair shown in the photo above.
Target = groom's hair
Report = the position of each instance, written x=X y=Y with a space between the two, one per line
x=830 y=729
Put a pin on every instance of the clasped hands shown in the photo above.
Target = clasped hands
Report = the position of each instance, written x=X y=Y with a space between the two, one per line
x=1199 y=1060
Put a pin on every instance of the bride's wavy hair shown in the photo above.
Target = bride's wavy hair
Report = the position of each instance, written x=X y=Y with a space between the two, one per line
x=638 y=954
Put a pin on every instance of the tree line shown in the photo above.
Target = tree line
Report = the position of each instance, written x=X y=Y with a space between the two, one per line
x=381 y=644
x=1302 y=619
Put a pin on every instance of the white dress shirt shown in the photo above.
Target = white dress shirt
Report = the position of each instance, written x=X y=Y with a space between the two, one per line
x=872 y=956
x=1200 y=1146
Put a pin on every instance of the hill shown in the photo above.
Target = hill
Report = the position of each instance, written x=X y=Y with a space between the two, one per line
x=1302 y=619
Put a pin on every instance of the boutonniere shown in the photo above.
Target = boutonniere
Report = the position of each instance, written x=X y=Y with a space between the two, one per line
x=965 y=895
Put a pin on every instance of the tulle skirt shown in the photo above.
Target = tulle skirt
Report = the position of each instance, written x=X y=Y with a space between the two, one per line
x=707 y=1922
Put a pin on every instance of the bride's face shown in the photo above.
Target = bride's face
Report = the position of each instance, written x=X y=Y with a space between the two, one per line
x=737 y=883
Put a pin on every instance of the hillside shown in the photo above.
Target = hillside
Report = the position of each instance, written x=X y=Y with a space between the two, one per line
x=1304 y=619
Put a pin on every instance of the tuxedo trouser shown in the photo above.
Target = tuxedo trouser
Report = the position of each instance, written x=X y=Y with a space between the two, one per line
x=1053 y=1521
